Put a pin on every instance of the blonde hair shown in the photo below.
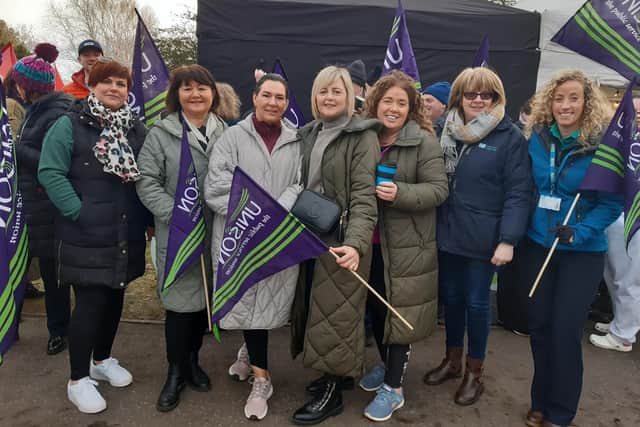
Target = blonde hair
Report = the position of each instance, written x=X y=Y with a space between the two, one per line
x=325 y=77
x=229 y=107
x=479 y=79
x=399 y=79
x=595 y=115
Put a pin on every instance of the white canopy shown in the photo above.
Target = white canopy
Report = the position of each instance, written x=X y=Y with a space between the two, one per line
x=553 y=57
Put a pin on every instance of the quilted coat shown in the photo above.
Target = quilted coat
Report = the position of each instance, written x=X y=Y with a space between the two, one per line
x=330 y=329
x=407 y=229
x=159 y=164
x=266 y=305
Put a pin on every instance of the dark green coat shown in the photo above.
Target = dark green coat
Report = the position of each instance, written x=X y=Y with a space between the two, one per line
x=332 y=327
x=407 y=229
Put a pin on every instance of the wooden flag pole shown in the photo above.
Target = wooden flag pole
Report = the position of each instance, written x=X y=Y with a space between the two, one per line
x=553 y=247
x=377 y=295
x=206 y=291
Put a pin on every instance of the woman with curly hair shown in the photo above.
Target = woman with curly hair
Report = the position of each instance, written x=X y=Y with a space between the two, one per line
x=404 y=266
x=483 y=219
x=567 y=120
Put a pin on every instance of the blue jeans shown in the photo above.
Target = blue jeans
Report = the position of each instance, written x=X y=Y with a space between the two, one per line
x=465 y=284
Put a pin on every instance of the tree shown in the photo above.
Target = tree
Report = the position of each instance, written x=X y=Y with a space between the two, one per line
x=178 y=43
x=110 y=22
x=20 y=37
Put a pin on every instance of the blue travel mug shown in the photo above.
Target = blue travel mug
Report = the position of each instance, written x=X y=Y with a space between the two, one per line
x=385 y=172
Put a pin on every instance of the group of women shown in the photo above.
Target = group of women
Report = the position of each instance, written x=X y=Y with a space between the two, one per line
x=421 y=212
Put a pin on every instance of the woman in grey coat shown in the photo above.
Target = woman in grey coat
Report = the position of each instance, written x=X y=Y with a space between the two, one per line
x=191 y=98
x=269 y=151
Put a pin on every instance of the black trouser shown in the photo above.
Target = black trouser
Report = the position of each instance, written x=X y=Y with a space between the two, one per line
x=93 y=326
x=257 y=341
x=183 y=333
x=394 y=356
x=56 y=298
x=556 y=315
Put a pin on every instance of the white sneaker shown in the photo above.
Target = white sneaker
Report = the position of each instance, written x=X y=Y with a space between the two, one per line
x=241 y=369
x=610 y=342
x=85 y=396
x=256 y=407
x=602 y=327
x=110 y=370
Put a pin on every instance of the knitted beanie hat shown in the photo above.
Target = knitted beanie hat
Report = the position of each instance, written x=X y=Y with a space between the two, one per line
x=34 y=73
x=358 y=72
x=440 y=91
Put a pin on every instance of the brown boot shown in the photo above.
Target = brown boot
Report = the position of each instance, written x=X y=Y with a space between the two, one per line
x=471 y=388
x=451 y=367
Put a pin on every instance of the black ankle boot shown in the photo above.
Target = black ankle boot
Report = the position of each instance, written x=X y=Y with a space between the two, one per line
x=317 y=385
x=170 y=394
x=325 y=403
x=196 y=378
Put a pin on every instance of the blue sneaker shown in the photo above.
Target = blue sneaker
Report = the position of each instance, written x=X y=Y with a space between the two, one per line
x=384 y=404
x=374 y=379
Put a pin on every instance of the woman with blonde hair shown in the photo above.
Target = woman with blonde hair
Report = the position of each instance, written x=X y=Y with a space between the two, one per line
x=229 y=106
x=404 y=268
x=483 y=219
x=567 y=120
x=340 y=153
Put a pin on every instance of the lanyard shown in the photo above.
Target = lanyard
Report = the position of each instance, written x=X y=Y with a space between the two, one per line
x=553 y=170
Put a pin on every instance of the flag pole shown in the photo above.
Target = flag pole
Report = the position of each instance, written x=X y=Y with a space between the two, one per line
x=206 y=291
x=376 y=294
x=553 y=247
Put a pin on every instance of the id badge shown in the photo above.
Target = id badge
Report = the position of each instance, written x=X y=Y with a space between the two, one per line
x=549 y=202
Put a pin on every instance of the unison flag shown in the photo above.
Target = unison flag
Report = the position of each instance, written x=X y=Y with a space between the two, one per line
x=13 y=236
x=187 y=229
x=482 y=54
x=399 y=54
x=294 y=113
x=614 y=167
x=150 y=77
x=606 y=32
x=260 y=239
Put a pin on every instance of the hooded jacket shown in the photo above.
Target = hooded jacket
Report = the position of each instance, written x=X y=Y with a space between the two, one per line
x=407 y=228
x=330 y=331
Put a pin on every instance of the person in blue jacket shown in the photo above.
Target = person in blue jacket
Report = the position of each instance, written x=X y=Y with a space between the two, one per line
x=484 y=217
x=567 y=120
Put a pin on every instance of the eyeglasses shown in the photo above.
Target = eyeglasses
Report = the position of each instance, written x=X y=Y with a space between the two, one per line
x=485 y=96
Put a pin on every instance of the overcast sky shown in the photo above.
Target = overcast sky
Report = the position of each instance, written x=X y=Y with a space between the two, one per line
x=33 y=13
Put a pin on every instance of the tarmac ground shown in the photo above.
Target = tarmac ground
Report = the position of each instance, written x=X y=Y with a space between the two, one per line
x=33 y=385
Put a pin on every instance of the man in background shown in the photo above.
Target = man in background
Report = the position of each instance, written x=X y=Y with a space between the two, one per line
x=89 y=51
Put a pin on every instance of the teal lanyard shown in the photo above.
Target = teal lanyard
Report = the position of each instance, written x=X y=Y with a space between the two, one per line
x=553 y=170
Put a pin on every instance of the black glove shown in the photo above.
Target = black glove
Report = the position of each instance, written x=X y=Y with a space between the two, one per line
x=565 y=234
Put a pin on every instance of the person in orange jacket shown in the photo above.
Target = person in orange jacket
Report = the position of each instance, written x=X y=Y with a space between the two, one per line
x=88 y=53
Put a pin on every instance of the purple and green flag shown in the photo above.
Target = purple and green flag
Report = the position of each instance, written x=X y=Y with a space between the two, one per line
x=150 y=77
x=606 y=32
x=615 y=164
x=13 y=236
x=482 y=54
x=260 y=239
x=293 y=114
x=400 y=54
x=187 y=229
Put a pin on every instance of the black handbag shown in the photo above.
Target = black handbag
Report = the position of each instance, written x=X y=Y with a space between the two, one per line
x=317 y=212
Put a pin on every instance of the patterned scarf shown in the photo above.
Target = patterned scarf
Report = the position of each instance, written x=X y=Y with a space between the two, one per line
x=113 y=149
x=473 y=132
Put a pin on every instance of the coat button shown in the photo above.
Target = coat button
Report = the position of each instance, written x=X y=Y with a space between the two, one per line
x=122 y=284
x=124 y=251
x=123 y=216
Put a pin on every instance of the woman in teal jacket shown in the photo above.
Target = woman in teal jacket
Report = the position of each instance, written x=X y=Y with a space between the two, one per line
x=568 y=117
